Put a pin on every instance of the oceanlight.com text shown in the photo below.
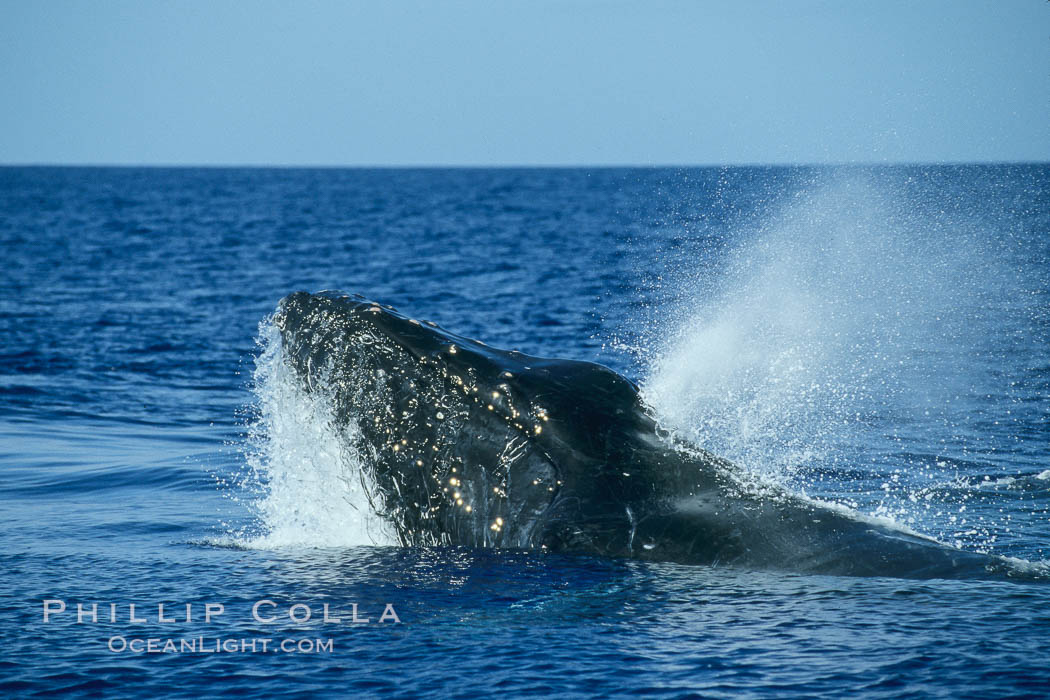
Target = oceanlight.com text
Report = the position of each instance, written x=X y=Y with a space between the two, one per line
x=213 y=645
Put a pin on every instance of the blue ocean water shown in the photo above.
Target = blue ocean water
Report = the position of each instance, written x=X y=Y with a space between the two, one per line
x=877 y=337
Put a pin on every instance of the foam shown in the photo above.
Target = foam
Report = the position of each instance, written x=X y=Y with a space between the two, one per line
x=306 y=481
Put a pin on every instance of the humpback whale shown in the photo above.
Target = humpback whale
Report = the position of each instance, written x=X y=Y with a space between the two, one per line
x=467 y=445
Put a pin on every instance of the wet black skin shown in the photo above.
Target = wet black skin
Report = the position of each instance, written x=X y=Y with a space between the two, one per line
x=558 y=455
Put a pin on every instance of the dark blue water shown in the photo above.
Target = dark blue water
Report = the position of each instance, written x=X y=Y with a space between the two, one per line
x=874 y=337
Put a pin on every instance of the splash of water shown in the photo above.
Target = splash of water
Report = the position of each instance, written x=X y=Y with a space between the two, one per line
x=306 y=481
x=838 y=333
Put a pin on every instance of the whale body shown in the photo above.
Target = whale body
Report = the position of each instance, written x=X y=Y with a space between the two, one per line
x=468 y=445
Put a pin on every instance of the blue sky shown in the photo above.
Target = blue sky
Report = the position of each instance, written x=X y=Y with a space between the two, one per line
x=527 y=82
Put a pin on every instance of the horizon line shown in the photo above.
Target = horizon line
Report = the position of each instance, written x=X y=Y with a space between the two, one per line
x=517 y=166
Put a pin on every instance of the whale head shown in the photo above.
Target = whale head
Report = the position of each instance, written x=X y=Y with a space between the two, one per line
x=467 y=444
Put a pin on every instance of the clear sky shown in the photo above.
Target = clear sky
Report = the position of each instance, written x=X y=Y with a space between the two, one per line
x=530 y=82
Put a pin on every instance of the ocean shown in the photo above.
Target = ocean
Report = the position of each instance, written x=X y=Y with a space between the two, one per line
x=873 y=337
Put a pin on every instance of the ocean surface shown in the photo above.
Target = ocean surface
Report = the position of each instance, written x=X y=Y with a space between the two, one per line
x=875 y=337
